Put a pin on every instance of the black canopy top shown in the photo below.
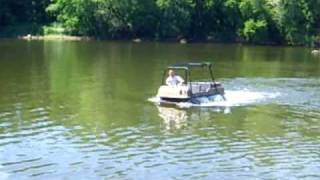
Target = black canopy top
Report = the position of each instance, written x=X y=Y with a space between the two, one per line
x=187 y=66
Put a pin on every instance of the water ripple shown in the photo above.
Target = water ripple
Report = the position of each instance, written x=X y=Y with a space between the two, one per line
x=267 y=140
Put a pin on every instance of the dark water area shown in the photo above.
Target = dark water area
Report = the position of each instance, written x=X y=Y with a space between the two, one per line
x=80 y=110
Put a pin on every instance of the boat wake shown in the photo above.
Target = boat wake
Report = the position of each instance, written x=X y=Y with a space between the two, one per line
x=297 y=92
x=232 y=98
x=3 y=175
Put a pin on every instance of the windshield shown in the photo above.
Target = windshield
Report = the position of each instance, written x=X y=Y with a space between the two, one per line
x=200 y=74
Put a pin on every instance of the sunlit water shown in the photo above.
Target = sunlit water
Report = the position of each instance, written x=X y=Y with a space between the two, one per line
x=80 y=110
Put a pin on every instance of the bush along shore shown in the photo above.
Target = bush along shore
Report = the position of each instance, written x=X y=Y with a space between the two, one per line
x=276 y=22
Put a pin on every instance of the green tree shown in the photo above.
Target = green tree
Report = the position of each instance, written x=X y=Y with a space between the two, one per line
x=255 y=21
x=297 y=19
x=254 y=31
x=77 y=16
x=175 y=17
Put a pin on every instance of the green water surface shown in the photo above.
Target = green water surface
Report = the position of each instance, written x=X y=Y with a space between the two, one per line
x=80 y=110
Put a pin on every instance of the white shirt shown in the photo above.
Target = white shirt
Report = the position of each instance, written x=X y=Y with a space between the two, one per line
x=174 y=80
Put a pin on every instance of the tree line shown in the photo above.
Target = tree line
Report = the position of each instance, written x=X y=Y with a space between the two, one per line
x=295 y=22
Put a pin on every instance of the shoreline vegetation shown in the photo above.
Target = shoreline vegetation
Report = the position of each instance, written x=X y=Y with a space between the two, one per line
x=262 y=22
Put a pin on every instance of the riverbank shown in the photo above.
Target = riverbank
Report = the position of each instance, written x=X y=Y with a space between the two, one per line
x=57 y=32
x=54 y=37
x=62 y=37
x=181 y=40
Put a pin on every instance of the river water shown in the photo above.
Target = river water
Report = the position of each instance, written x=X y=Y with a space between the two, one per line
x=80 y=110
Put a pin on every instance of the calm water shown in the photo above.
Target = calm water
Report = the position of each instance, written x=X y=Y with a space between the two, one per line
x=80 y=110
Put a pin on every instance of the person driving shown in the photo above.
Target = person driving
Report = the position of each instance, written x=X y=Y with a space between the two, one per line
x=173 y=79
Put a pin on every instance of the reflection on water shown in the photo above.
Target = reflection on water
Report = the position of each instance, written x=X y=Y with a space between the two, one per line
x=172 y=117
x=79 y=109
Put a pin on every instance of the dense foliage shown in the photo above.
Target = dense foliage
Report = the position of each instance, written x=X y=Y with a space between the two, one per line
x=256 y=21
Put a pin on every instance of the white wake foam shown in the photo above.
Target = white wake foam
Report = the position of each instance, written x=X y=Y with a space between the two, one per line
x=232 y=98
x=3 y=175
